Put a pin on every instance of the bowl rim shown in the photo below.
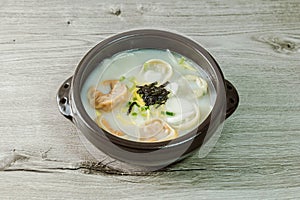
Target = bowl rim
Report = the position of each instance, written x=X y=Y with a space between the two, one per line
x=78 y=108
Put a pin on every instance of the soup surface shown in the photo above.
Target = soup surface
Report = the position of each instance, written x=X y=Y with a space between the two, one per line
x=148 y=95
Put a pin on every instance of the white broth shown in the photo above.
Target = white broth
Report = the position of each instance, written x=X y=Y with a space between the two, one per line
x=148 y=95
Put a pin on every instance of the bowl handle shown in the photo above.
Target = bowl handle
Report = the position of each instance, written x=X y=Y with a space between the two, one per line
x=232 y=98
x=63 y=99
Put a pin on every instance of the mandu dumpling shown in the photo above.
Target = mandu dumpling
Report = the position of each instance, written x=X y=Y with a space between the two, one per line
x=156 y=70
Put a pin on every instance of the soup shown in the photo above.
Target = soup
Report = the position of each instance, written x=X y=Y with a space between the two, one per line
x=148 y=95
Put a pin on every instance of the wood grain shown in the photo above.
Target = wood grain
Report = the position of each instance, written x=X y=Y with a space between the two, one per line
x=257 y=45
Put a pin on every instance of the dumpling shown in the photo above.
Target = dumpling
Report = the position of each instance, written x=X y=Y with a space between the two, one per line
x=156 y=70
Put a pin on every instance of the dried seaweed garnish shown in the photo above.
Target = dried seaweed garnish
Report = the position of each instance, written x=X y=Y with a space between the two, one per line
x=153 y=93
x=130 y=107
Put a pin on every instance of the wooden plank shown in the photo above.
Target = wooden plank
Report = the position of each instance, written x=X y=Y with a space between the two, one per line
x=257 y=45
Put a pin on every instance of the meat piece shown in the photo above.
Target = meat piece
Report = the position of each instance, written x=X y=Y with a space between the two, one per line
x=106 y=102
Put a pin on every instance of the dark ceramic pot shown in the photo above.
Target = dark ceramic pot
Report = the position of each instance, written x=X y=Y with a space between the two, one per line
x=148 y=155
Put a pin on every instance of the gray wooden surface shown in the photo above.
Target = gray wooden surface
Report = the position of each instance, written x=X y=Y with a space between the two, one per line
x=257 y=44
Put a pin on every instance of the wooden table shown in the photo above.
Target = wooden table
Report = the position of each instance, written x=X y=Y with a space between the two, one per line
x=257 y=45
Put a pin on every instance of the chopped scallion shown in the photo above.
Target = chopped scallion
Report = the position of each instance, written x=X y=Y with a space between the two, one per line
x=134 y=114
x=181 y=61
x=170 y=113
x=167 y=113
x=122 y=78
